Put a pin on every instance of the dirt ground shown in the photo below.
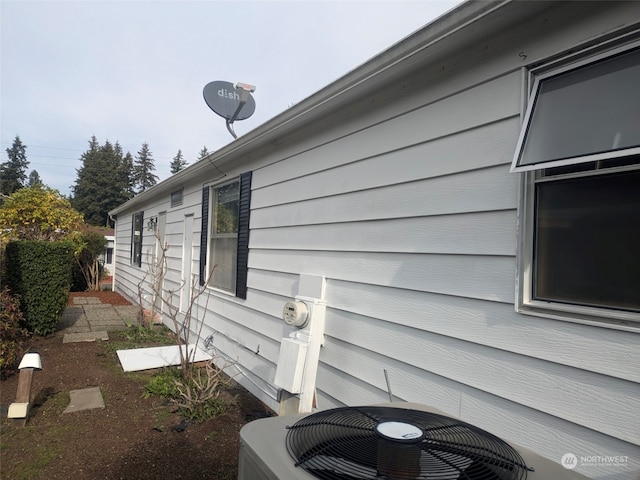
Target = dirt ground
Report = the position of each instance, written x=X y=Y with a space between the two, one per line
x=131 y=438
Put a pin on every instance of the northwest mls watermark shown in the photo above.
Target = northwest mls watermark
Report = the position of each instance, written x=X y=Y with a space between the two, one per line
x=571 y=461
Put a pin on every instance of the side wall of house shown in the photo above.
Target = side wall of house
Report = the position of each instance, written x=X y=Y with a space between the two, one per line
x=405 y=203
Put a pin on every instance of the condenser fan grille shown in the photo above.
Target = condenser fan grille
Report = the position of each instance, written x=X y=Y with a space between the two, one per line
x=396 y=443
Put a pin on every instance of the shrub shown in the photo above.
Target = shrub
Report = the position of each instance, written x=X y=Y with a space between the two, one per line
x=38 y=213
x=12 y=334
x=198 y=394
x=164 y=384
x=88 y=259
x=39 y=272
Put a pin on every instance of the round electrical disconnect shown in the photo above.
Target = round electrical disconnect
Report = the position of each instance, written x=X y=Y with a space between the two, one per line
x=295 y=314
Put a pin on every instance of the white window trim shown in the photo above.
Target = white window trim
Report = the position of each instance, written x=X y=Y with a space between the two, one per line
x=535 y=78
x=525 y=304
x=211 y=237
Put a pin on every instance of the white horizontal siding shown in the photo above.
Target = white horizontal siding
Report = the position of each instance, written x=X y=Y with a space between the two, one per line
x=550 y=436
x=356 y=377
x=283 y=284
x=482 y=105
x=480 y=190
x=489 y=233
x=445 y=156
x=492 y=324
x=598 y=402
x=483 y=277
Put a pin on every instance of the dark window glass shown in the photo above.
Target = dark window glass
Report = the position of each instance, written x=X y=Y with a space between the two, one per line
x=587 y=241
x=590 y=110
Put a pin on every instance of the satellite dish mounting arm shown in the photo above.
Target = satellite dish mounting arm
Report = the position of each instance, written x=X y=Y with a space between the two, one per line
x=245 y=90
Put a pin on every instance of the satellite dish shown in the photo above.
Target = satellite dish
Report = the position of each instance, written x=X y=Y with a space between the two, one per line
x=224 y=99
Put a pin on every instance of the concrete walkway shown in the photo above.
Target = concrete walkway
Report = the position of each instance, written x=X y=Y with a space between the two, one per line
x=89 y=319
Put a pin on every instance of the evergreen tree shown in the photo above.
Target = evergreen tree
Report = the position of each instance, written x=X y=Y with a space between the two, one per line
x=129 y=176
x=34 y=180
x=203 y=153
x=143 y=169
x=102 y=182
x=178 y=163
x=13 y=172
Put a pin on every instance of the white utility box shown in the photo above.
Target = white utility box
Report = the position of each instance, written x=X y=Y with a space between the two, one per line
x=18 y=410
x=291 y=361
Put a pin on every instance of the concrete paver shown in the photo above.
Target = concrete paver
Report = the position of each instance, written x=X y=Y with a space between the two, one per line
x=86 y=300
x=85 y=399
x=85 y=337
x=128 y=313
x=89 y=315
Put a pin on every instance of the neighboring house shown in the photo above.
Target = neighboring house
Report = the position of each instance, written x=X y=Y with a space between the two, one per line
x=107 y=257
x=504 y=292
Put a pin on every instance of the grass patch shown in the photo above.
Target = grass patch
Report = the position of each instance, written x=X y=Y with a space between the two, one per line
x=57 y=402
x=136 y=336
x=164 y=384
x=139 y=334
x=40 y=454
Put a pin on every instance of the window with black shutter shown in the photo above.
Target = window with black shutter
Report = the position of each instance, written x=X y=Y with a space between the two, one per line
x=224 y=242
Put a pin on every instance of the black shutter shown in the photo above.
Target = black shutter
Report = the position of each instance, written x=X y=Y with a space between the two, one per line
x=244 y=211
x=204 y=234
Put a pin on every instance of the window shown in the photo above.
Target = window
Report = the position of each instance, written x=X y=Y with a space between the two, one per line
x=224 y=245
x=584 y=114
x=580 y=151
x=136 y=239
x=176 y=198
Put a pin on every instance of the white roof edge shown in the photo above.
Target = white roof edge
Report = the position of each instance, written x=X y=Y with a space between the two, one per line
x=425 y=38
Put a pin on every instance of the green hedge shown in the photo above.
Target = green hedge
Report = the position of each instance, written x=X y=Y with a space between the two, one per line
x=39 y=273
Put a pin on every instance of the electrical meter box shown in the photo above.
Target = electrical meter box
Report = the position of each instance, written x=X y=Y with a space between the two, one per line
x=295 y=314
x=290 y=369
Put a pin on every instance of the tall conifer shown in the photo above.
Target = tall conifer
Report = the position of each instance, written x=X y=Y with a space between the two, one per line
x=102 y=182
x=143 y=169
x=178 y=163
x=13 y=172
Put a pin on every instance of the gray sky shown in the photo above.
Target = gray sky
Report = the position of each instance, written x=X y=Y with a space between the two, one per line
x=134 y=71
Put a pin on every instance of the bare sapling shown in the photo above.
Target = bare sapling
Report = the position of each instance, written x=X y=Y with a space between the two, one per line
x=199 y=388
x=150 y=286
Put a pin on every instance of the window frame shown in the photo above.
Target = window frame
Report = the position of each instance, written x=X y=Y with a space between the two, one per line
x=536 y=77
x=532 y=175
x=213 y=236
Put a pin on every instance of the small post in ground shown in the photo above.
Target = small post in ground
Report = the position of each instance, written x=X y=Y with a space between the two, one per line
x=19 y=410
